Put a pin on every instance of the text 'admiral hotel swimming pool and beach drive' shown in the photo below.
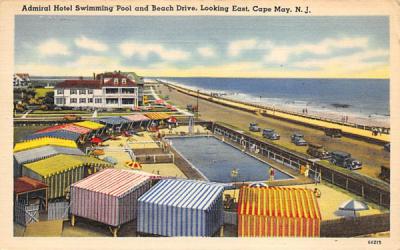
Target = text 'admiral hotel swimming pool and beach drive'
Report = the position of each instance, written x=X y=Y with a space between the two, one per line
x=168 y=8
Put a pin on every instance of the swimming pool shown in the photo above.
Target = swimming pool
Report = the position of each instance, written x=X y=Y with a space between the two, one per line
x=215 y=159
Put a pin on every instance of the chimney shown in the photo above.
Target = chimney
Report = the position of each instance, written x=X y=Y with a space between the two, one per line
x=94 y=76
x=81 y=78
x=101 y=79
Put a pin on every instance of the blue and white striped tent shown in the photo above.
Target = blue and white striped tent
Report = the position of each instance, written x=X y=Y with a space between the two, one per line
x=62 y=134
x=181 y=208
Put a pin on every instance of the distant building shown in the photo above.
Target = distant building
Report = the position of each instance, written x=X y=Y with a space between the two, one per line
x=21 y=80
x=106 y=90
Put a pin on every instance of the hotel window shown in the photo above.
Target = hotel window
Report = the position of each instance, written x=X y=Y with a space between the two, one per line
x=82 y=92
x=123 y=80
x=72 y=100
x=128 y=91
x=111 y=90
x=90 y=100
x=73 y=91
x=98 y=100
x=112 y=101
x=115 y=80
x=128 y=101
x=60 y=100
x=90 y=91
x=82 y=100
x=60 y=91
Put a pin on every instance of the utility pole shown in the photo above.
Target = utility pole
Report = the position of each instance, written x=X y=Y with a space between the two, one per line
x=197 y=104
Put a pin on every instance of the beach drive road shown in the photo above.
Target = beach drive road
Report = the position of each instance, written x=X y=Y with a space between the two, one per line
x=372 y=156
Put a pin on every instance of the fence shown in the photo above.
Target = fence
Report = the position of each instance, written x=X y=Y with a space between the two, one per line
x=155 y=158
x=230 y=218
x=371 y=189
x=355 y=226
x=58 y=210
x=25 y=214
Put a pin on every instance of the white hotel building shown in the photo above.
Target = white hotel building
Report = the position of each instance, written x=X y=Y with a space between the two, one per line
x=108 y=90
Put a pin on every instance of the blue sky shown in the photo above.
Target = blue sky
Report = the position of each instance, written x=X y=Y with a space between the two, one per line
x=204 y=46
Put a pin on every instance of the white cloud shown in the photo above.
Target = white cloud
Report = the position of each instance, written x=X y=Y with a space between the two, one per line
x=207 y=52
x=53 y=47
x=143 y=50
x=91 y=63
x=90 y=44
x=281 y=53
x=235 y=48
x=357 y=61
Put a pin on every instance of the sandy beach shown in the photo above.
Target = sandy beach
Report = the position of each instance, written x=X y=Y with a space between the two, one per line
x=372 y=156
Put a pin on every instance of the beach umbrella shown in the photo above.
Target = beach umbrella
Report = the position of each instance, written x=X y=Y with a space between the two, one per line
x=172 y=119
x=159 y=101
x=96 y=140
x=258 y=184
x=353 y=205
x=111 y=160
x=133 y=164
x=98 y=152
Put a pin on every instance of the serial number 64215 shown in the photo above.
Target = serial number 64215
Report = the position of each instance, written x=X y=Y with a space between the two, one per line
x=374 y=242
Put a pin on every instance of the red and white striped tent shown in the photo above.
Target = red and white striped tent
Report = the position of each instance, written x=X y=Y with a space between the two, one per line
x=109 y=196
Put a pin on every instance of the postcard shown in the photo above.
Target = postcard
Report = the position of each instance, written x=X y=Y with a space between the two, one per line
x=208 y=124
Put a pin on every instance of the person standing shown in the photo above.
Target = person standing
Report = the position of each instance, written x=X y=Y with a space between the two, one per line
x=271 y=174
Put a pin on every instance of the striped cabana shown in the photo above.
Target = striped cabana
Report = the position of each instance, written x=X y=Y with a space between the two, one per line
x=97 y=128
x=36 y=154
x=90 y=125
x=181 y=208
x=26 y=188
x=278 y=212
x=45 y=141
x=155 y=116
x=67 y=127
x=113 y=121
x=60 y=171
x=137 y=119
x=113 y=196
x=62 y=134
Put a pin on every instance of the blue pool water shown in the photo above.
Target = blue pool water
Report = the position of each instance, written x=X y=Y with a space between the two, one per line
x=216 y=159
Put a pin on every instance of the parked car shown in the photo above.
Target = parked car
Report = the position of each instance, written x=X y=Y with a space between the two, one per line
x=298 y=139
x=333 y=132
x=72 y=118
x=343 y=159
x=385 y=173
x=254 y=127
x=387 y=147
x=317 y=151
x=192 y=108
x=271 y=134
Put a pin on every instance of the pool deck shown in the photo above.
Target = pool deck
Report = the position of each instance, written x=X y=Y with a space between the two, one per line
x=291 y=117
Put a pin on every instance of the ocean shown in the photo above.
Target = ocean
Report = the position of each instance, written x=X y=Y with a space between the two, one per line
x=361 y=100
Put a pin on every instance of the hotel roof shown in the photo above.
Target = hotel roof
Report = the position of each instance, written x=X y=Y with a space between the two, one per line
x=96 y=84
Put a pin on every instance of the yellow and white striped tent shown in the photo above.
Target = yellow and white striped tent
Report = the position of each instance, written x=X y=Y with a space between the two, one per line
x=60 y=171
x=278 y=212
x=44 y=141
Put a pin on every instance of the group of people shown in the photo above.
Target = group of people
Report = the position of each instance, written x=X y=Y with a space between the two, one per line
x=376 y=131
